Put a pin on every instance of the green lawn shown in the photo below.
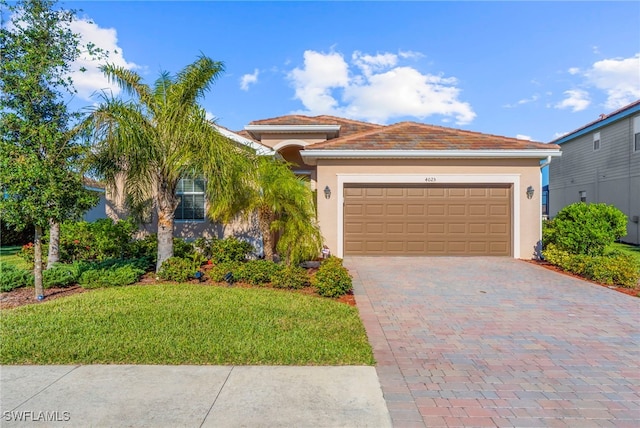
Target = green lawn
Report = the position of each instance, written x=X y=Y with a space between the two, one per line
x=629 y=249
x=8 y=255
x=185 y=324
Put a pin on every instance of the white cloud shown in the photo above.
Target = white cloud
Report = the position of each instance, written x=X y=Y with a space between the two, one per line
x=92 y=80
x=619 y=78
x=575 y=99
x=523 y=137
x=410 y=55
x=534 y=97
x=574 y=70
x=313 y=83
x=249 y=79
x=375 y=88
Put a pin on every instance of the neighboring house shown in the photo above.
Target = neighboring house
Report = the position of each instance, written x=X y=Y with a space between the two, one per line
x=402 y=189
x=601 y=163
x=99 y=211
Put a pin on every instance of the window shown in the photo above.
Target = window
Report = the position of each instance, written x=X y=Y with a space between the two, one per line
x=191 y=194
x=583 y=196
x=596 y=141
x=636 y=134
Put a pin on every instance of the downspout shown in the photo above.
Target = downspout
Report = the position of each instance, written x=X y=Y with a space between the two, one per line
x=539 y=246
x=548 y=161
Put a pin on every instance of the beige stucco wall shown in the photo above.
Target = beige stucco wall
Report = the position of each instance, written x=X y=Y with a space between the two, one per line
x=520 y=172
x=242 y=228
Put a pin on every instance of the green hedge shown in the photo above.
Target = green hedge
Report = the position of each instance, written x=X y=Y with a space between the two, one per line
x=332 y=279
x=612 y=269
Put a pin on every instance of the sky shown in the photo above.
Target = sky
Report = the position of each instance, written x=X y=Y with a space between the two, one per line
x=530 y=70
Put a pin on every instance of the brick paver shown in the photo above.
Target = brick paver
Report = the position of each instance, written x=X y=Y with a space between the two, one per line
x=498 y=342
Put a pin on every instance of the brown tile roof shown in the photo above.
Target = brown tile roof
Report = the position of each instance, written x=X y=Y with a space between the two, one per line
x=418 y=136
x=347 y=126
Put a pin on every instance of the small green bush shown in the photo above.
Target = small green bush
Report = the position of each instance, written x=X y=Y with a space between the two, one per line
x=114 y=276
x=182 y=248
x=177 y=269
x=12 y=277
x=62 y=275
x=292 y=277
x=146 y=247
x=585 y=228
x=615 y=268
x=332 y=279
x=227 y=250
x=99 y=240
x=257 y=272
x=218 y=272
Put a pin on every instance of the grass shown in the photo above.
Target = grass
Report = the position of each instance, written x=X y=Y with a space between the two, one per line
x=185 y=324
x=628 y=249
x=8 y=256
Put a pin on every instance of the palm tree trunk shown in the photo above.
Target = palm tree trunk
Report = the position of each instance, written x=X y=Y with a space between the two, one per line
x=54 y=243
x=264 y=223
x=166 y=213
x=37 y=262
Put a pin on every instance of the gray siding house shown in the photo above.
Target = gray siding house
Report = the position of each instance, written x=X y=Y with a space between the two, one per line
x=600 y=162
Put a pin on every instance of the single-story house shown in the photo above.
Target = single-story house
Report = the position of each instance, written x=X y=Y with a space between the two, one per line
x=407 y=188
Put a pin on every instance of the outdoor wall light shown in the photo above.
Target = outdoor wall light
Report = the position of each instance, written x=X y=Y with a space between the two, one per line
x=327 y=192
x=530 y=192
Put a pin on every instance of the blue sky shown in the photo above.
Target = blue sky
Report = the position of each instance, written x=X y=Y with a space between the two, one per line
x=529 y=69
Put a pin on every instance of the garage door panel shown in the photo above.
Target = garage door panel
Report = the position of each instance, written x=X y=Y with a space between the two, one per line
x=427 y=220
x=396 y=209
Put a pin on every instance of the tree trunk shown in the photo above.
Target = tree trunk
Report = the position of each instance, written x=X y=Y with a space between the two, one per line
x=54 y=243
x=37 y=262
x=167 y=205
x=264 y=223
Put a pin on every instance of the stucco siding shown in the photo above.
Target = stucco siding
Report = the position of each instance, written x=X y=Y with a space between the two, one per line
x=519 y=172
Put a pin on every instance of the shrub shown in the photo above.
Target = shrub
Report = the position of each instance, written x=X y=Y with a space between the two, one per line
x=100 y=240
x=217 y=272
x=228 y=250
x=182 y=248
x=146 y=247
x=332 y=279
x=586 y=228
x=177 y=269
x=12 y=277
x=293 y=277
x=257 y=272
x=62 y=275
x=114 y=276
x=615 y=268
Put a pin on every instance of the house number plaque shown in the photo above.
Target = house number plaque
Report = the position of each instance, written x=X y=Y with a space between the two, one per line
x=430 y=179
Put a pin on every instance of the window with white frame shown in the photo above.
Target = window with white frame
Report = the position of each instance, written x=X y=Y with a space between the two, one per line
x=596 y=141
x=636 y=134
x=191 y=194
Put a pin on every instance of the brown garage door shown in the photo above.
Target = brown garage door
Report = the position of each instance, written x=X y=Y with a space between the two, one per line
x=434 y=220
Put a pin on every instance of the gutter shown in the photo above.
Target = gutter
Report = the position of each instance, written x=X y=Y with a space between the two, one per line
x=546 y=163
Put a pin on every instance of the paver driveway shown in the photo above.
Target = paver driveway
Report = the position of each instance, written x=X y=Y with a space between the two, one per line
x=498 y=342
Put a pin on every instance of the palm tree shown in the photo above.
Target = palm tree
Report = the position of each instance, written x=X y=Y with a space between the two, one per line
x=160 y=136
x=283 y=204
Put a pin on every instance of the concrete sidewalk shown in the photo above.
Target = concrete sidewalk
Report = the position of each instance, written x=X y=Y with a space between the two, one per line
x=191 y=396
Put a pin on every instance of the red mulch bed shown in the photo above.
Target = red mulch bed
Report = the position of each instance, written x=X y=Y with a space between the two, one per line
x=635 y=292
x=26 y=295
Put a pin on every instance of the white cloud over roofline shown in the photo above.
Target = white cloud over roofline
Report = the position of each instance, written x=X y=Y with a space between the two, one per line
x=375 y=88
x=575 y=99
x=619 y=78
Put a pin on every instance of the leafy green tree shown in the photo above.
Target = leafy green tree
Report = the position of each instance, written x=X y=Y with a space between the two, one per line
x=39 y=155
x=284 y=206
x=149 y=142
